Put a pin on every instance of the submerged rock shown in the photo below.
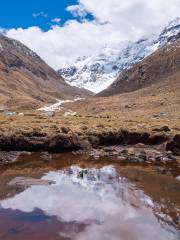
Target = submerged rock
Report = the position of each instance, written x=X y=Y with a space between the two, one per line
x=135 y=154
x=174 y=145
x=28 y=181
x=46 y=156
x=8 y=157
x=178 y=177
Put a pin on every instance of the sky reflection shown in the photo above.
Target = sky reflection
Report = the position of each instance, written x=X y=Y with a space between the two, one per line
x=109 y=206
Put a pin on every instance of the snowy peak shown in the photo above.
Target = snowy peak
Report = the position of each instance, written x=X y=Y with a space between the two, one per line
x=161 y=67
x=174 y=23
x=98 y=71
x=171 y=32
x=86 y=71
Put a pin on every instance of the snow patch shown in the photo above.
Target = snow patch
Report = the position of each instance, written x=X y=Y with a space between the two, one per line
x=174 y=23
x=70 y=113
x=57 y=106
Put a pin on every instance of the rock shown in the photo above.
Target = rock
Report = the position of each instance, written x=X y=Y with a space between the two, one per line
x=65 y=130
x=161 y=169
x=158 y=115
x=100 y=126
x=46 y=156
x=128 y=151
x=140 y=145
x=84 y=128
x=151 y=159
x=142 y=156
x=165 y=159
x=178 y=177
x=135 y=159
x=8 y=113
x=128 y=106
x=169 y=154
x=162 y=129
x=94 y=140
x=141 y=125
x=85 y=145
x=176 y=151
x=174 y=145
x=114 y=153
x=81 y=174
x=70 y=113
x=158 y=138
x=8 y=157
x=27 y=182
x=50 y=113
x=121 y=158
x=132 y=138
x=159 y=158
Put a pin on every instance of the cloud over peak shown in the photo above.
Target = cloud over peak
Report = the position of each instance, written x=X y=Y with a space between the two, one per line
x=113 y=21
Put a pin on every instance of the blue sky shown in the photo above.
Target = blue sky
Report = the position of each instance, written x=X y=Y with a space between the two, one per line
x=19 y=13
x=111 y=22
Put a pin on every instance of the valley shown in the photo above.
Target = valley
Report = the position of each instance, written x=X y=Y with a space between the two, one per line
x=92 y=150
x=139 y=104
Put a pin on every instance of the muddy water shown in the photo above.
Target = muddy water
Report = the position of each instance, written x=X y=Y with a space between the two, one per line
x=88 y=199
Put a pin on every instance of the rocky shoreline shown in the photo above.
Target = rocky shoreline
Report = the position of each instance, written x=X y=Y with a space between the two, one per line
x=139 y=153
x=69 y=141
x=122 y=144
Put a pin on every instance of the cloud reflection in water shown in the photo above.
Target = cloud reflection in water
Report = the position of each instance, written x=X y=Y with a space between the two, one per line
x=111 y=207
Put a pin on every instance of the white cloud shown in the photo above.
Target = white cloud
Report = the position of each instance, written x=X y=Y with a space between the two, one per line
x=39 y=14
x=56 y=20
x=114 y=21
x=77 y=10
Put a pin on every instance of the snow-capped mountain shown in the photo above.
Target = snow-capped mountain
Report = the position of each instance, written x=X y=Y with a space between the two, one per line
x=98 y=71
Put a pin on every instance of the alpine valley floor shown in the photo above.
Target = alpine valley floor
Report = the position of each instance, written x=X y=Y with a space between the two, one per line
x=149 y=116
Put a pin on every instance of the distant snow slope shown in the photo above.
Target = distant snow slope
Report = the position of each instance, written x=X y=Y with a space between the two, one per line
x=97 y=72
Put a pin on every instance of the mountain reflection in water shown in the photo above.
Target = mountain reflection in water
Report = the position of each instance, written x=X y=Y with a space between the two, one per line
x=93 y=204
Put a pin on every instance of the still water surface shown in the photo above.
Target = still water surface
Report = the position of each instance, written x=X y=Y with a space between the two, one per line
x=88 y=200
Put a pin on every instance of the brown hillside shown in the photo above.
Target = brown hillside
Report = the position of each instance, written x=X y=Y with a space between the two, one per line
x=156 y=67
x=26 y=81
x=155 y=104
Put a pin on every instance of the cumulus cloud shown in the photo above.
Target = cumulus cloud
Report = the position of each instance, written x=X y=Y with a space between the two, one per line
x=77 y=10
x=114 y=21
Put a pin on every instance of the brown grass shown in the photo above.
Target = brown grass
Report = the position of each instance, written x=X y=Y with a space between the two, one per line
x=143 y=110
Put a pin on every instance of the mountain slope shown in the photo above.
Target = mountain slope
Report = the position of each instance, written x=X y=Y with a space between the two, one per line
x=159 y=66
x=26 y=80
x=98 y=71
